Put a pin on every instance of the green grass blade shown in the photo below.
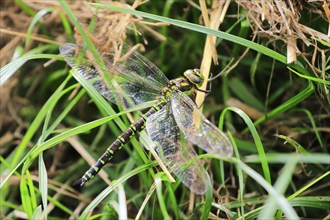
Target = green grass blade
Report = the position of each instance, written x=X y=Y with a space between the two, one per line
x=280 y=185
x=69 y=133
x=11 y=68
x=36 y=19
x=208 y=199
x=109 y=189
x=284 y=157
x=37 y=213
x=240 y=177
x=280 y=200
x=25 y=197
x=159 y=191
x=199 y=28
x=32 y=130
x=256 y=138
x=43 y=183
x=289 y=104
x=25 y=7
x=304 y=188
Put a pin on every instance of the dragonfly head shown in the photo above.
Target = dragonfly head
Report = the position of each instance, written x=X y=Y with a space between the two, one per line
x=195 y=77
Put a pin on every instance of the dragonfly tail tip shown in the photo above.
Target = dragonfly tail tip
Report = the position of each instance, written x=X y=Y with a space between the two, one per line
x=80 y=182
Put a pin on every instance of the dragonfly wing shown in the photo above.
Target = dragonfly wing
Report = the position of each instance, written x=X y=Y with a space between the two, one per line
x=119 y=86
x=197 y=128
x=128 y=78
x=175 y=152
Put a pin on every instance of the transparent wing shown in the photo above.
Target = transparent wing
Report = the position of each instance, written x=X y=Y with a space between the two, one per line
x=175 y=152
x=129 y=78
x=197 y=128
x=125 y=84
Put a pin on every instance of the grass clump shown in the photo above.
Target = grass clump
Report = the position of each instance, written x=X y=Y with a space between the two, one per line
x=275 y=109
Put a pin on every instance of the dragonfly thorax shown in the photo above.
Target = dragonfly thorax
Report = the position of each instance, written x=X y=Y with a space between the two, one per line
x=191 y=79
x=174 y=123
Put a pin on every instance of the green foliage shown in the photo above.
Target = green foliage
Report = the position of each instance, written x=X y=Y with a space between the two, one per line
x=281 y=160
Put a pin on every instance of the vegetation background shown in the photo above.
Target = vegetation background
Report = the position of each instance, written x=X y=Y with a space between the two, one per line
x=270 y=91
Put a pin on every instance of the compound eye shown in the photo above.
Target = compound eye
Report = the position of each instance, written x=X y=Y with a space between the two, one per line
x=197 y=71
x=194 y=76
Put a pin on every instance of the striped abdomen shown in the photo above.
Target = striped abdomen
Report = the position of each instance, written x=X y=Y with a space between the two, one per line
x=122 y=139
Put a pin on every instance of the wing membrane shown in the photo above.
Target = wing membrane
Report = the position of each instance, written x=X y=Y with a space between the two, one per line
x=120 y=89
x=177 y=154
x=197 y=128
x=130 y=78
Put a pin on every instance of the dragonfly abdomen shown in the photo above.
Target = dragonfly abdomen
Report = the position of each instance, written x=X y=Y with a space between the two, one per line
x=121 y=140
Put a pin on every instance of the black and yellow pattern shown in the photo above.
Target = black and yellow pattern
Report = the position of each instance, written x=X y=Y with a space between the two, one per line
x=182 y=84
x=128 y=79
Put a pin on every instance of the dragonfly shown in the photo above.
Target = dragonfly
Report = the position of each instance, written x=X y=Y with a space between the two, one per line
x=174 y=123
